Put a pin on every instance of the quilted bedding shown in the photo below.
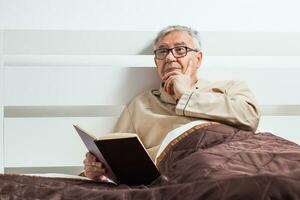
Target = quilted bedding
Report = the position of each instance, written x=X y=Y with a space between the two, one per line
x=209 y=161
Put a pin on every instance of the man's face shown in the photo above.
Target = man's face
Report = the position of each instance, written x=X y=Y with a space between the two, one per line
x=170 y=63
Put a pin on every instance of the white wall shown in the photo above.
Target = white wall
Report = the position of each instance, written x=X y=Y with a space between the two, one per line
x=1 y=103
x=212 y=15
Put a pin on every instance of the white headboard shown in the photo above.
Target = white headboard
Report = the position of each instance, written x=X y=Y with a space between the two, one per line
x=51 y=79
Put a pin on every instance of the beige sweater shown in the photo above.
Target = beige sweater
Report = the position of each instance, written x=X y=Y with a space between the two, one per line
x=153 y=114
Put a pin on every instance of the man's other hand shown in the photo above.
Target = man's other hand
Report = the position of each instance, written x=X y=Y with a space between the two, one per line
x=94 y=169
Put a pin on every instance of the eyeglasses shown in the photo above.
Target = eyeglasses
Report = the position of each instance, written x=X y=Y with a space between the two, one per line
x=178 y=52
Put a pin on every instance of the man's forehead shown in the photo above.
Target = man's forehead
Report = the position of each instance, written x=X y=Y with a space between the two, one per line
x=175 y=39
x=180 y=43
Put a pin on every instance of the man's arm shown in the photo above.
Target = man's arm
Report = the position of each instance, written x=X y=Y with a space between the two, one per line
x=124 y=123
x=229 y=102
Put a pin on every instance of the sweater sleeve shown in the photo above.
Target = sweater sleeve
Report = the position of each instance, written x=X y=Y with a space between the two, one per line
x=229 y=102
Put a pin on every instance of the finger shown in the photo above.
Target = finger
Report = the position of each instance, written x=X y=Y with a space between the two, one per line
x=94 y=176
x=169 y=85
x=188 y=70
x=166 y=85
x=90 y=156
x=91 y=169
x=91 y=163
x=170 y=88
x=172 y=73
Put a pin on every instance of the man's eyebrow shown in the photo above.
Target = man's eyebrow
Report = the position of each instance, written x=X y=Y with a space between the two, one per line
x=163 y=46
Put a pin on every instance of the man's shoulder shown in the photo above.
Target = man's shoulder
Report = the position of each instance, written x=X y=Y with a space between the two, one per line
x=215 y=83
x=144 y=96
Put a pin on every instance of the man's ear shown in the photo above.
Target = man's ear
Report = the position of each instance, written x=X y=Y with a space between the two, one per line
x=199 y=59
x=155 y=61
x=156 y=66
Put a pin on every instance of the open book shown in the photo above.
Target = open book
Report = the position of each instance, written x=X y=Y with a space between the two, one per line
x=123 y=155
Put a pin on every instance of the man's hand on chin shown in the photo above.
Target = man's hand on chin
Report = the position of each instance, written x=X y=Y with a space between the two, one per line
x=177 y=83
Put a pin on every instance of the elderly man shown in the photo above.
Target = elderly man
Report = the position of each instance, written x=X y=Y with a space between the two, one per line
x=183 y=101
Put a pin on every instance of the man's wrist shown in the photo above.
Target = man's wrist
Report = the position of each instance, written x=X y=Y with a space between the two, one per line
x=182 y=103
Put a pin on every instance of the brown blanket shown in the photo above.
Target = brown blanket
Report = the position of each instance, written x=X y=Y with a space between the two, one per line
x=210 y=161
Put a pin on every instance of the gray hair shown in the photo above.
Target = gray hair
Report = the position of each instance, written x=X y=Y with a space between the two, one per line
x=169 y=29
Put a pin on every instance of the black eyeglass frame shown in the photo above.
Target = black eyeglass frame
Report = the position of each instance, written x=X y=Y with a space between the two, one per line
x=187 y=49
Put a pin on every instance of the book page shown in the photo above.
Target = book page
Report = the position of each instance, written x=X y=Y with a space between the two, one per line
x=117 y=135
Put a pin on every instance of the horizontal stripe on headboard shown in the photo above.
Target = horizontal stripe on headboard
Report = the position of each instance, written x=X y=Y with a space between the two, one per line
x=92 y=85
x=48 y=42
x=51 y=142
x=147 y=61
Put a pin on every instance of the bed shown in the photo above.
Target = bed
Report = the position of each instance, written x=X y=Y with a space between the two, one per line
x=44 y=81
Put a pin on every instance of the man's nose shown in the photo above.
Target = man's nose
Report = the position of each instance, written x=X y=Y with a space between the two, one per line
x=170 y=57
